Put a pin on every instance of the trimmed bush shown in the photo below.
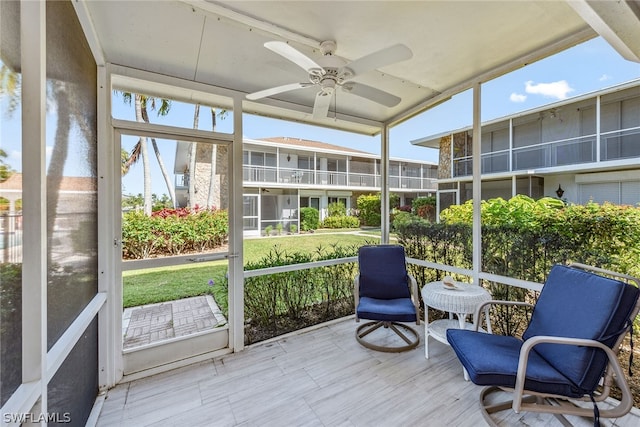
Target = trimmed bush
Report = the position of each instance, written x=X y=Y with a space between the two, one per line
x=425 y=207
x=369 y=208
x=282 y=302
x=341 y=222
x=336 y=209
x=309 y=219
x=173 y=232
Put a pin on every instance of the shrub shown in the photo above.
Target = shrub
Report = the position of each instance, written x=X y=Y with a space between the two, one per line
x=425 y=207
x=341 y=222
x=281 y=302
x=293 y=228
x=267 y=230
x=522 y=238
x=336 y=209
x=173 y=232
x=279 y=228
x=309 y=219
x=369 y=208
x=402 y=219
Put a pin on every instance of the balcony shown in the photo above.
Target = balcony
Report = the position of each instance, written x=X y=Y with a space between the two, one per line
x=615 y=145
x=294 y=177
x=315 y=377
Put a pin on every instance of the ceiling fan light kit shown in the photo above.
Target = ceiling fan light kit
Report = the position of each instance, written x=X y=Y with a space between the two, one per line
x=330 y=71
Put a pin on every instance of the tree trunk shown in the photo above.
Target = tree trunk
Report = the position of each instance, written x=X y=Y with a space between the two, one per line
x=58 y=158
x=214 y=159
x=192 y=161
x=144 y=152
x=165 y=174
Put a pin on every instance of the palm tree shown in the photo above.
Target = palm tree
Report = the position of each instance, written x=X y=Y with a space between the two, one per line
x=192 y=160
x=140 y=150
x=10 y=86
x=214 y=161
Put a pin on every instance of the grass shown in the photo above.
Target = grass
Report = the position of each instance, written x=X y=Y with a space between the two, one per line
x=162 y=284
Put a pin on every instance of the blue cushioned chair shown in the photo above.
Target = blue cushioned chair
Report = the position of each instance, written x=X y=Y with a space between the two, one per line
x=386 y=294
x=570 y=344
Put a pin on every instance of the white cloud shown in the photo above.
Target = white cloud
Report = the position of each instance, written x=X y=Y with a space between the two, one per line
x=48 y=150
x=604 y=77
x=15 y=155
x=517 y=97
x=557 y=90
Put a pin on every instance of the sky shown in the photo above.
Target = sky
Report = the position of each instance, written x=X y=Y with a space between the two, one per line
x=585 y=68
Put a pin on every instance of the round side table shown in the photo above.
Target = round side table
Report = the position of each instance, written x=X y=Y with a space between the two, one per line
x=461 y=302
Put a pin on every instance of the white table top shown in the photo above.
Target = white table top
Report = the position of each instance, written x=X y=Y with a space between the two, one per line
x=464 y=299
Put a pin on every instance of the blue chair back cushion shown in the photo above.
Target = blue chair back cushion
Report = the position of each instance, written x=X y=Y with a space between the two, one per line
x=573 y=303
x=383 y=272
x=578 y=304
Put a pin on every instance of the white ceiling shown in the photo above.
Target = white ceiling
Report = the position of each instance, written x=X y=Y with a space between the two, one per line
x=454 y=45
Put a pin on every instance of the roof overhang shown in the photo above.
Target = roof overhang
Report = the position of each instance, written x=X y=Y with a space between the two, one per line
x=455 y=44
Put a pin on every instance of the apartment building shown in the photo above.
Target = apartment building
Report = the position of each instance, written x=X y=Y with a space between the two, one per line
x=580 y=149
x=283 y=174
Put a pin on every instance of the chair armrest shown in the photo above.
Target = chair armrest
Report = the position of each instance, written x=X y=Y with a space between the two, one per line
x=356 y=294
x=625 y=403
x=480 y=310
x=413 y=286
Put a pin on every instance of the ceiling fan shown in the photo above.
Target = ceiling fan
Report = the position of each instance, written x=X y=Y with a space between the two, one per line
x=329 y=72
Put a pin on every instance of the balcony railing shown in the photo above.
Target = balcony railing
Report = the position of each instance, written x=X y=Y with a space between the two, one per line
x=615 y=145
x=273 y=175
x=618 y=145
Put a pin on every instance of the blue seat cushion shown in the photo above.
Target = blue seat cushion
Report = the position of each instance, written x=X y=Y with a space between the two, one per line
x=577 y=304
x=393 y=310
x=383 y=272
x=573 y=303
x=493 y=360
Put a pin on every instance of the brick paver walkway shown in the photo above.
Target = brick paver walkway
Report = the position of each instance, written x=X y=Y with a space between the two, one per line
x=156 y=322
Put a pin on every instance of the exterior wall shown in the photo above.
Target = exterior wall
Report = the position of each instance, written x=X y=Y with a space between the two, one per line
x=559 y=145
x=444 y=164
x=202 y=176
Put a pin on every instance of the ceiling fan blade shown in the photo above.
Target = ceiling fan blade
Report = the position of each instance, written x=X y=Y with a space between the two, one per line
x=276 y=90
x=321 y=105
x=379 y=59
x=372 y=94
x=293 y=55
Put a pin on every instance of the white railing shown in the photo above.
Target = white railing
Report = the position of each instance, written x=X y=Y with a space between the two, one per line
x=620 y=144
x=272 y=175
x=563 y=152
x=510 y=281
x=614 y=145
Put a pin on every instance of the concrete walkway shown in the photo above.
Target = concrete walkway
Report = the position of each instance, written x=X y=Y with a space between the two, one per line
x=156 y=322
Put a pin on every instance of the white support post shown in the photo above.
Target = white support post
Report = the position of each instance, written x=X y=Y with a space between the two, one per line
x=384 y=185
x=34 y=196
x=598 y=142
x=236 y=273
x=477 y=179
x=110 y=357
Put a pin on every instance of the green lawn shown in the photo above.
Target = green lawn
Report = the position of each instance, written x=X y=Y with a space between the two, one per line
x=169 y=283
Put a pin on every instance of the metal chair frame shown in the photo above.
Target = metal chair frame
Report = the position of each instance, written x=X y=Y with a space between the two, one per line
x=526 y=400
